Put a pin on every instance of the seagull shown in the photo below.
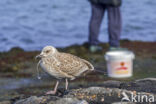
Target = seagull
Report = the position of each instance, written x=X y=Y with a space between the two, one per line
x=62 y=65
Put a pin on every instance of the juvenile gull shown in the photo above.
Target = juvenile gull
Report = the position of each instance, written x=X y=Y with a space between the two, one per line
x=62 y=65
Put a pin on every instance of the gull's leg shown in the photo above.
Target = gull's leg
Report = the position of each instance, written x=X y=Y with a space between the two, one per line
x=66 y=84
x=66 y=87
x=55 y=89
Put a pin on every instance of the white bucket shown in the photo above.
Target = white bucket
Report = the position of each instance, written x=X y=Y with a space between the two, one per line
x=119 y=63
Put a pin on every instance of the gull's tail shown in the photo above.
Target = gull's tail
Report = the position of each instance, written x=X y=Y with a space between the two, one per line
x=90 y=66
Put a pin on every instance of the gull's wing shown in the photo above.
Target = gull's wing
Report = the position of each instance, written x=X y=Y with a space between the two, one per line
x=72 y=65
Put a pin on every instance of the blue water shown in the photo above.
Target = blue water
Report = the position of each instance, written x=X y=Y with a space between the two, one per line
x=32 y=24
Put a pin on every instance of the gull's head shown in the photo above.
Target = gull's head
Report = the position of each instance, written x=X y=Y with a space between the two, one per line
x=47 y=51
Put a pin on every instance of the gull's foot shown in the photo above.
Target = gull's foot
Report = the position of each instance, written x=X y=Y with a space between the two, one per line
x=66 y=92
x=62 y=92
x=50 y=93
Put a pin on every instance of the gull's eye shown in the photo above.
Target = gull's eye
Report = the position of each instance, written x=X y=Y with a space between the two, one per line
x=47 y=51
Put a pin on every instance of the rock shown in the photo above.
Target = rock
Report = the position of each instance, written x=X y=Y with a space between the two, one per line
x=112 y=84
x=30 y=100
x=5 y=102
x=91 y=95
x=112 y=92
x=99 y=95
x=68 y=101
x=123 y=103
x=142 y=85
x=50 y=100
x=147 y=79
x=16 y=49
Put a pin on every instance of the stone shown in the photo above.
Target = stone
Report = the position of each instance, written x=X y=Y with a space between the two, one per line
x=30 y=100
x=141 y=85
x=5 y=102
x=112 y=84
x=69 y=101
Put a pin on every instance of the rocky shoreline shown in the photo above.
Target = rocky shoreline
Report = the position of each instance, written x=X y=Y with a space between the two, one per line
x=19 y=85
x=102 y=95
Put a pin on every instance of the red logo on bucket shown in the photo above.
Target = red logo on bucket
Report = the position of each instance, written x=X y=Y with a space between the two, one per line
x=122 y=66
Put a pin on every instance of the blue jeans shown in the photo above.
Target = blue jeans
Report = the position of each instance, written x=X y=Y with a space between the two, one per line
x=114 y=24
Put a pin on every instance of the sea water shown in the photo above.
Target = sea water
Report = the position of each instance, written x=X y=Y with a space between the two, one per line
x=32 y=24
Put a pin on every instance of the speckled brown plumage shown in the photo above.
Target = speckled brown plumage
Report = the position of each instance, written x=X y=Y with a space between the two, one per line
x=63 y=65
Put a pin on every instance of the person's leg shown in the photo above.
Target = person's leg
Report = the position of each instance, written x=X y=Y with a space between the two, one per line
x=95 y=22
x=114 y=26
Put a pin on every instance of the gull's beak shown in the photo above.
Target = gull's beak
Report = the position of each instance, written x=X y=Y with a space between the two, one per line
x=39 y=56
